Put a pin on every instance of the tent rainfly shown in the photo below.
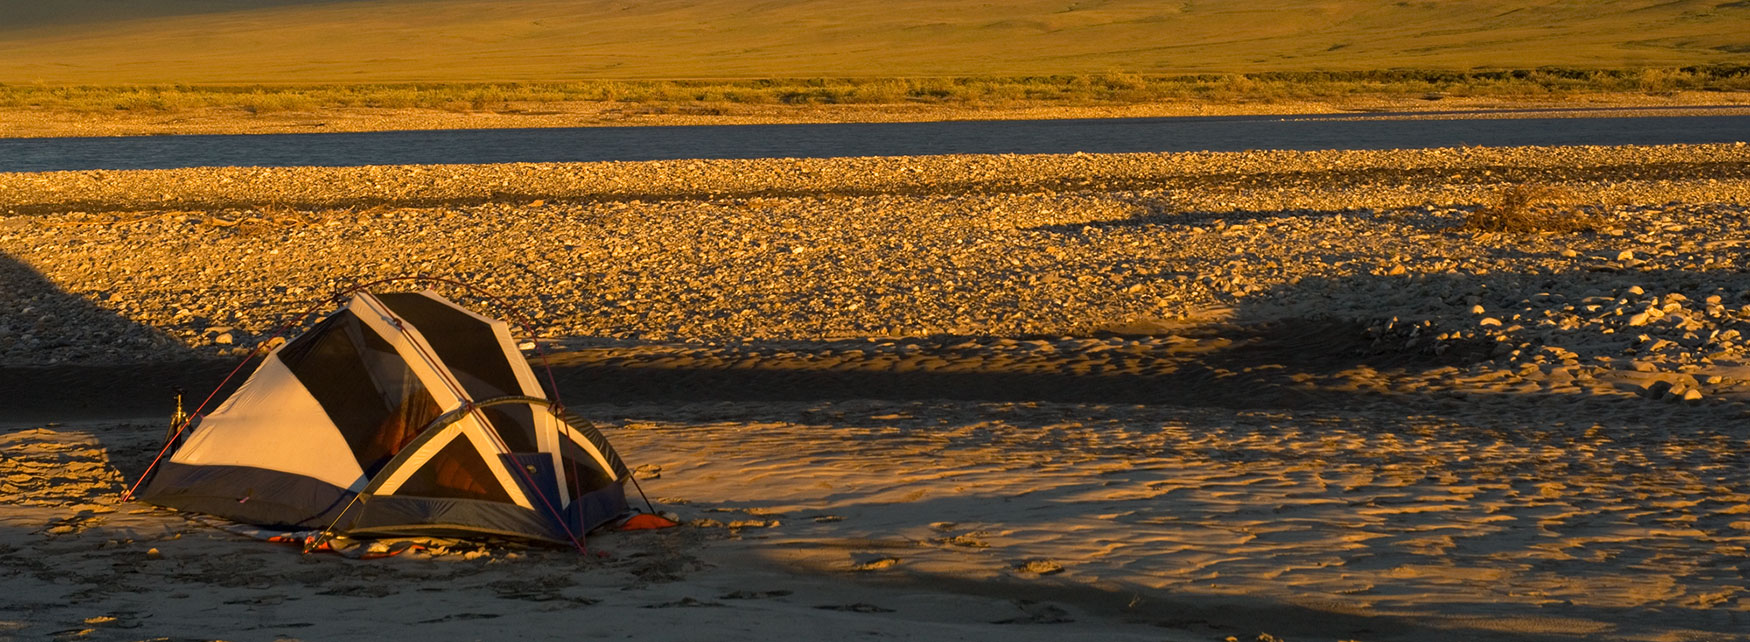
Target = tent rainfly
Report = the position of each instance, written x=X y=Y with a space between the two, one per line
x=400 y=414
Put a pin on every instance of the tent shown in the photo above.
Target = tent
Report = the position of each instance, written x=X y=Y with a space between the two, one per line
x=400 y=414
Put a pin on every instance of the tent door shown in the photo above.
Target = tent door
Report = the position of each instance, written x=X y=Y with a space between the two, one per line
x=535 y=467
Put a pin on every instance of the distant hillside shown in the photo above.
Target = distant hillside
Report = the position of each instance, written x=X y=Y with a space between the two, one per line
x=318 y=41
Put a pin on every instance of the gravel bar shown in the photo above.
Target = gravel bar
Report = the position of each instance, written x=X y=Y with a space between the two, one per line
x=810 y=257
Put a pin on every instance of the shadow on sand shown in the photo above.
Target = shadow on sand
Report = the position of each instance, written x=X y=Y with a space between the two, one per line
x=60 y=333
x=1217 y=616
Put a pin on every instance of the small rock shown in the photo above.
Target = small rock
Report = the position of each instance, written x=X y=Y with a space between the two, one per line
x=1625 y=255
x=1039 y=567
x=153 y=554
x=1656 y=389
x=875 y=562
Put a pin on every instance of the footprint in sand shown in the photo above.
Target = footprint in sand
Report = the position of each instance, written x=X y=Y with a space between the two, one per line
x=264 y=600
x=1038 y=567
x=735 y=525
x=872 y=561
x=858 y=607
x=973 y=539
x=1037 y=613
x=546 y=596
x=366 y=590
x=458 y=617
x=753 y=595
x=685 y=602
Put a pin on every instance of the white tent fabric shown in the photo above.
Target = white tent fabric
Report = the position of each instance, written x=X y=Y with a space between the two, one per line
x=267 y=424
x=401 y=412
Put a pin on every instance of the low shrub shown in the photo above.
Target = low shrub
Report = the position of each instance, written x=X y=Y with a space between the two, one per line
x=1530 y=209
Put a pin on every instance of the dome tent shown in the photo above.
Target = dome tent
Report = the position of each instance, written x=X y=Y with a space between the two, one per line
x=399 y=414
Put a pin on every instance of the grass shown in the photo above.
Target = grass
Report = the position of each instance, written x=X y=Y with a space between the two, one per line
x=1534 y=209
x=1058 y=90
x=304 y=42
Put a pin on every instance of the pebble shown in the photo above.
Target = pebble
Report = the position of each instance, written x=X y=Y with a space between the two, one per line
x=95 y=269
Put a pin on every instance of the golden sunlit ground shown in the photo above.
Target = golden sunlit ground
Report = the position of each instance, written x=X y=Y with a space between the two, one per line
x=223 y=41
x=1182 y=397
x=103 y=67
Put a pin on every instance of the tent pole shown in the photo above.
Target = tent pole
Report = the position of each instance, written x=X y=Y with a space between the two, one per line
x=634 y=477
x=328 y=532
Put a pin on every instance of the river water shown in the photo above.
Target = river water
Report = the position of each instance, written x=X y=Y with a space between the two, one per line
x=839 y=140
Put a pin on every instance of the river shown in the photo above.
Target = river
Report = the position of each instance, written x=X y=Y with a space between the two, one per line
x=1234 y=133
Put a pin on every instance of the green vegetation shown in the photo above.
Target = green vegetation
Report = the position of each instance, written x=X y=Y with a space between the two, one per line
x=1063 y=90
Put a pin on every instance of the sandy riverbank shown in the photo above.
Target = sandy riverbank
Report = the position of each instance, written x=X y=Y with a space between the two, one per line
x=1177 y=396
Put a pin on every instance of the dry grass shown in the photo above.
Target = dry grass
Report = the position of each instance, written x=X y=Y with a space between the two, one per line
x=1534 y=209
x=703 y=96
x=460 y=41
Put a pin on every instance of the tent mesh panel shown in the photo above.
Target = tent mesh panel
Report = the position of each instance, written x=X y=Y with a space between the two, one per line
x=458 y=472
x=581 y=470
x=364 y=387
x=470 y=348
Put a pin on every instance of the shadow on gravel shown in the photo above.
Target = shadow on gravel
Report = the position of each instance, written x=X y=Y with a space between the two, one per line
x=42 y=324
x=1294 y=346
x=1243 y=365
x=237 y=199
